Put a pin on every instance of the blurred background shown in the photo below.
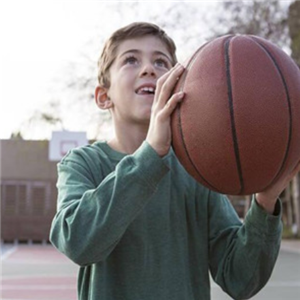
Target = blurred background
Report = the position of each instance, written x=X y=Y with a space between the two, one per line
x=48 y=75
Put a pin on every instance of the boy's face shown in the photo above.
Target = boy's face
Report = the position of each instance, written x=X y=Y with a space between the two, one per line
x=133 y=75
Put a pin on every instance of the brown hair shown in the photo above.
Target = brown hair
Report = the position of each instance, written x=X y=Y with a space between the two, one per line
x=131 y=31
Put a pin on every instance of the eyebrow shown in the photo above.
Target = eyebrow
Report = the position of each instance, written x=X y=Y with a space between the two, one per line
x=155 y=53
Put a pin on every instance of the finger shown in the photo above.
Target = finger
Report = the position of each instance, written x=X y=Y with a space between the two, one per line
x=163 y=79
x=168 y=85
x=171 y=105
x=295 y=170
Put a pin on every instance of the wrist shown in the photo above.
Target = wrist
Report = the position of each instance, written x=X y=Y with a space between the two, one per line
x=161 y=151
x=266 y=203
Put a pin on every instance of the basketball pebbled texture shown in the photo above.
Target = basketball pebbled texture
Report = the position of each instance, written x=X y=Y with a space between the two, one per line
x=237 y=130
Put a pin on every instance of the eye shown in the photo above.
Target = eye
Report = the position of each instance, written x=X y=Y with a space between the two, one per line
x=130 y=60
x=162 y=63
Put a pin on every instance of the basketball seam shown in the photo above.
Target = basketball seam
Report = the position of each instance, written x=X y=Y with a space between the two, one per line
x=289 y=109
x=187 y=153
x=232 y=119
x=190 y=63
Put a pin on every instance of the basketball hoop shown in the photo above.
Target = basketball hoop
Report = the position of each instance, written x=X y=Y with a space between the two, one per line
x=63 y=141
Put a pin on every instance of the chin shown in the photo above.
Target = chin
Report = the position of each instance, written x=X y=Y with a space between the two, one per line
x=146 y=121
x=146 y=114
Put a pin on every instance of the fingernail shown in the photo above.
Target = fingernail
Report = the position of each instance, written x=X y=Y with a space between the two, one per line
x=181 y=94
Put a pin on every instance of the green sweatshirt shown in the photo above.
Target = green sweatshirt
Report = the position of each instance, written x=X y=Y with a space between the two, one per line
x=141 y=228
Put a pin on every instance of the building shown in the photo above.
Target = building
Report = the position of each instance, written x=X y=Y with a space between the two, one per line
x=28 y=193
x=28 y=190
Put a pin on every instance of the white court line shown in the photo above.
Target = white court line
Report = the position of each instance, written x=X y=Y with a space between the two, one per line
x=25 y=299
x=8 y=252
x=44 y=276
x=275 y=284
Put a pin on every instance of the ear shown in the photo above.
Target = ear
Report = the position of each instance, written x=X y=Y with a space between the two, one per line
x=102 y=99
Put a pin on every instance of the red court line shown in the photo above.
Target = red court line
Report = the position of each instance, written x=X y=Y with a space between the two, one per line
x=37 y=288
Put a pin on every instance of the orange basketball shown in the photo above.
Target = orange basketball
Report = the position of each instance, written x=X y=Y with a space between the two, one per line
x=237 y=130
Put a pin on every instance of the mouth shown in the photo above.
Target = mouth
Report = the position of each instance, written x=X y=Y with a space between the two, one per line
x=146 y=90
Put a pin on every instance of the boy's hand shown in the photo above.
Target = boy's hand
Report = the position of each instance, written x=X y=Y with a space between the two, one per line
x=267 y=199
x=159 y=133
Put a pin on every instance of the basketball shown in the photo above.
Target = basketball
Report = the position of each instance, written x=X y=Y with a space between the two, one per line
x=237 y=131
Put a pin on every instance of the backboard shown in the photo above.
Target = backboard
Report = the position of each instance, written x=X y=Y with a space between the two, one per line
x=63 y=141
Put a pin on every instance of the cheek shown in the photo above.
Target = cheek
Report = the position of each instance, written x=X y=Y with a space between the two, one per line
x=122 y=83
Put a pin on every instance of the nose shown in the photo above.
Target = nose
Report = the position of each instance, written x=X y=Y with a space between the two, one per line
x=148 y=69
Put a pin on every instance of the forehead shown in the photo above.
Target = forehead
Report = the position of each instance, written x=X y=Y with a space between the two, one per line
x=147 y=44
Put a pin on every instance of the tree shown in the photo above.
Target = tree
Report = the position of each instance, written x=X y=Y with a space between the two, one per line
x=294 y=30
x=43 y=121
x=77 y=84
x=190 y=24
x=267 y=19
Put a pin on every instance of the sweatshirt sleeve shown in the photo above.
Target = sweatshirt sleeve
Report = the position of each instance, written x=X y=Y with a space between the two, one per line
x=90 y=220
x=242 y=256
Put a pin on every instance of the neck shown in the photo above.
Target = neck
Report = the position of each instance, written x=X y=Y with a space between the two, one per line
x=128 y=137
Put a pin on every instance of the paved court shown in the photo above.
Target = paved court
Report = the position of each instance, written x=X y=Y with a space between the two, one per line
x=39 y=272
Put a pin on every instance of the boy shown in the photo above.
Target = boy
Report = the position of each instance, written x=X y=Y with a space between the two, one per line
x=138 y=225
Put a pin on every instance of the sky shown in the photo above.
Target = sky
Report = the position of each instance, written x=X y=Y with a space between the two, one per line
x=38 y=40
x=40 y=37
